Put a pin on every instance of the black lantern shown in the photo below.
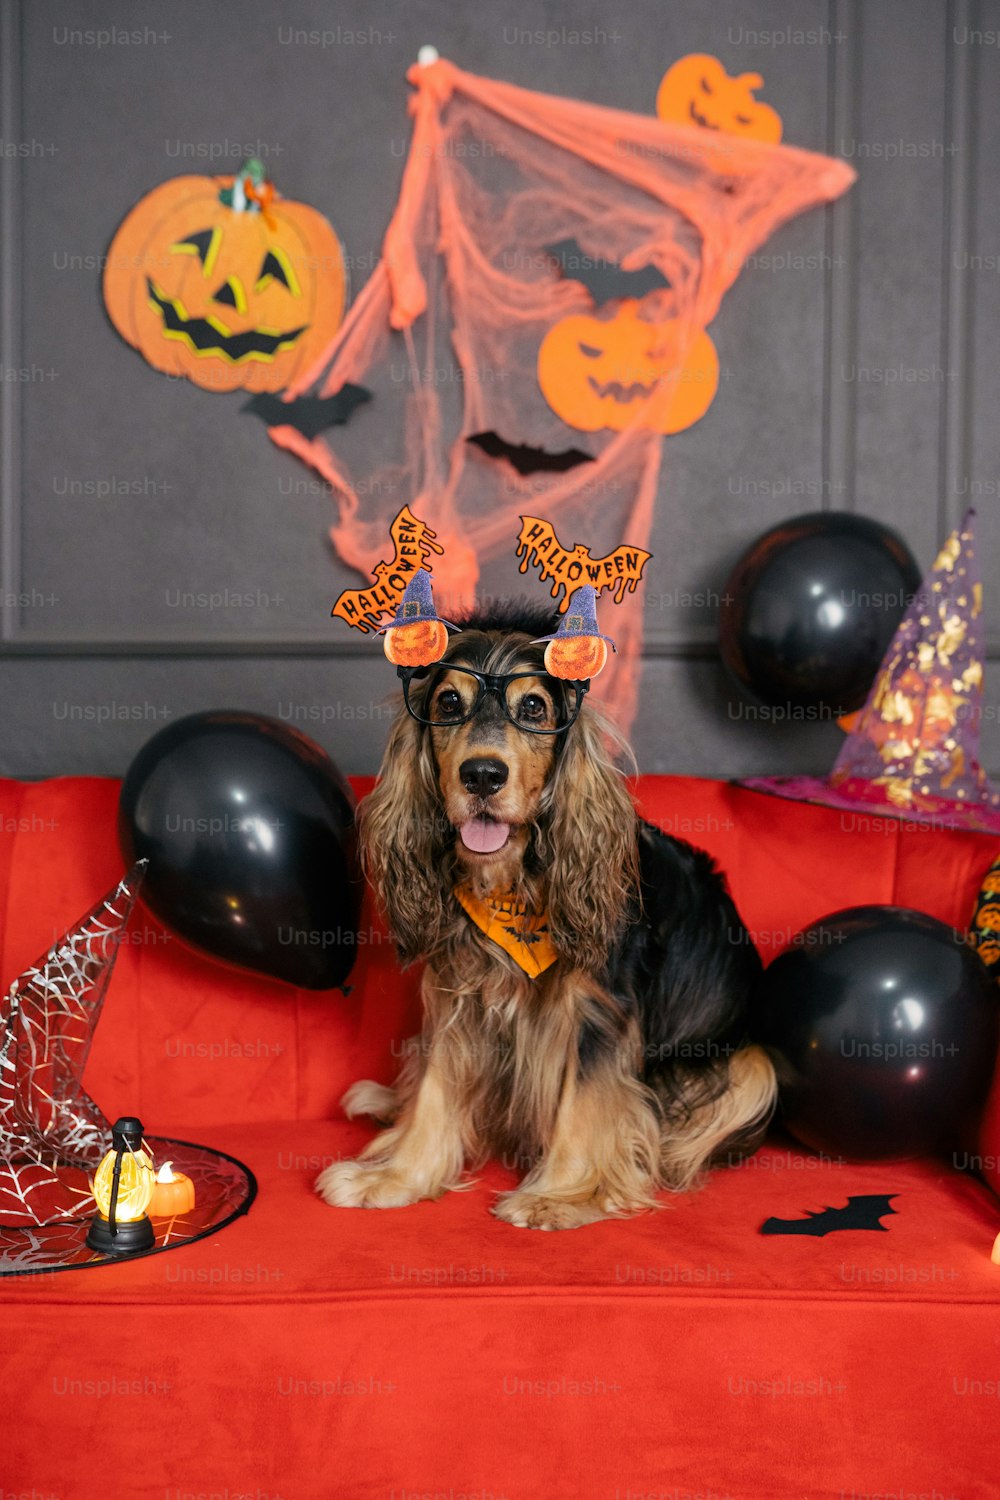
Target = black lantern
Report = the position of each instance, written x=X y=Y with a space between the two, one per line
x=123 y=1189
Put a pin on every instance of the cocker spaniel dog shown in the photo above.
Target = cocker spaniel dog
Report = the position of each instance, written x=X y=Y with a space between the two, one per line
x=586 y=976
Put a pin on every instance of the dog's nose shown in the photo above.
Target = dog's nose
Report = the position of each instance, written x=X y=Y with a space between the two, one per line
x=483 y=776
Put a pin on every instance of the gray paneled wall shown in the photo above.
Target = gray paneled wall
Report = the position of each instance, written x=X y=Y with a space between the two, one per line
x=159 y=555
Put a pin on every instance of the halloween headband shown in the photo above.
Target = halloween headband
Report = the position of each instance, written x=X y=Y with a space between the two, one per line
x=413 y=541
x=417 y=635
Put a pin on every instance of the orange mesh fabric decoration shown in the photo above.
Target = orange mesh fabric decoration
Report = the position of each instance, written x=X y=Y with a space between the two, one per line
x=447 y=331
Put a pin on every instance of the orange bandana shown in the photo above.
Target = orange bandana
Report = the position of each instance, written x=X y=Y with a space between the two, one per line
x=508 y=923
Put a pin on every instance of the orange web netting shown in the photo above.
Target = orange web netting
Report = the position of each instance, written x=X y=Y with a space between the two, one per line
x=446 y=332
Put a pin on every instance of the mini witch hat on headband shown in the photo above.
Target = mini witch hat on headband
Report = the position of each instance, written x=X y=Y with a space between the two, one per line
x=416 y=636
x=913 y=750
x=577 y=650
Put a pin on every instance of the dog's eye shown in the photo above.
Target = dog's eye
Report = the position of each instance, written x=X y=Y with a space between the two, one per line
x=449 y=704
x=533 y=708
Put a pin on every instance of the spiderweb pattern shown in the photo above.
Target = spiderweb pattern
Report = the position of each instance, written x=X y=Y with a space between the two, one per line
x=223 y=1186
x=48 y=1120
x=446 y=332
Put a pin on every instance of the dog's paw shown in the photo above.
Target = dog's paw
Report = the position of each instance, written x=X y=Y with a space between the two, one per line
x=373 y=1099
x=535 y=1211
x=356 y=1184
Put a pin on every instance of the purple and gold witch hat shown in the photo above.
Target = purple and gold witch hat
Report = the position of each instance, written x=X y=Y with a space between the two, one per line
x=913 y=750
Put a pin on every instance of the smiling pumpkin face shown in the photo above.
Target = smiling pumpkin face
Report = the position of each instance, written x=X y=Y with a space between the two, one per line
x=416 y=645
x=697 y=90
x=230 y=298
x=576 y=657
x=623 y=371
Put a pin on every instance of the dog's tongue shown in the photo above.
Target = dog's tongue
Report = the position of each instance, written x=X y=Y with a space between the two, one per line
x=483 y=835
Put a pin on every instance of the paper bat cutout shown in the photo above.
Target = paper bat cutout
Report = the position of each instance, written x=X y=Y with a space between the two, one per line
x=569 y=567
x=414 y=542
x=309 y=415
x=604 y=279
x=860 y=1212
x=528 y=460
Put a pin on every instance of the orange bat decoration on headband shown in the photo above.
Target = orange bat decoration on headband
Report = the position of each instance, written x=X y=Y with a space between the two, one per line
x=570 y=567
x=414 y=541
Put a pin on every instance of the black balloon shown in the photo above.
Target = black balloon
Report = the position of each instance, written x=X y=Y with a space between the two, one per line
x=809 y=610
x=249 y=832
x=883 y=1026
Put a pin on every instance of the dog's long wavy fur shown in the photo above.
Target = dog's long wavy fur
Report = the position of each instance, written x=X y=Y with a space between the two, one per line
x=624 y=1068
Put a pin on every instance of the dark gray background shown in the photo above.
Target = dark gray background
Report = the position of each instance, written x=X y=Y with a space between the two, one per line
x=902 y=276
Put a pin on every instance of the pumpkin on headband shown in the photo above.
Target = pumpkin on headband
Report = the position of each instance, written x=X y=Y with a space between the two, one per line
x=416 y=636
x=221 y=281
x=577 y=651
x=623 y=371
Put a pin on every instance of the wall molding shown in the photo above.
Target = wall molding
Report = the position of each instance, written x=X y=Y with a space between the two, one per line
x=11 y=221
x=840 y=333
x=957 y=290
x=695 y=644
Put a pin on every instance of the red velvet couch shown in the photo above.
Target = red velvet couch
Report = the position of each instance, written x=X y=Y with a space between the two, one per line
x=307 y=1352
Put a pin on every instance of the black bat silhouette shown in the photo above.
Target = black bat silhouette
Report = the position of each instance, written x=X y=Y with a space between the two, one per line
x=528 y=460
x=860 y=1212
x=308 y=414
x=604 y=279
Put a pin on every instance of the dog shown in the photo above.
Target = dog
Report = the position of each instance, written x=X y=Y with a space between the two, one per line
x=615 y=1065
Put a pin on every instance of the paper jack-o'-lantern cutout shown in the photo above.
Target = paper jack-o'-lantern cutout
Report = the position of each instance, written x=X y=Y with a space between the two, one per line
x=697 y=90
x=622 y=372
x=221 y=281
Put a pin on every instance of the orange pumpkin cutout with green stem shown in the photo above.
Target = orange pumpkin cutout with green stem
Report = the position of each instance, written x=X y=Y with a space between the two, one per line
x=697 y=90
x=623 y=371
x=219 y=280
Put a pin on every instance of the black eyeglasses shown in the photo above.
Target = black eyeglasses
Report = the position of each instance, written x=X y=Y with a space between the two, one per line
x=535 y=702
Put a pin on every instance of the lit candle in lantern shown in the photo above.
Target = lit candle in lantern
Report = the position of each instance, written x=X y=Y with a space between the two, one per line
x=173 y=1193
x=122 y=1189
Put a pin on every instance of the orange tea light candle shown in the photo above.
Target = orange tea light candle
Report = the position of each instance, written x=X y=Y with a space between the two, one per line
x=173 y=1193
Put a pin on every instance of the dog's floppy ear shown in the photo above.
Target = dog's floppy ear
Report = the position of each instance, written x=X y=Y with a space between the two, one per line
x=404 y=840
x=588 y=842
